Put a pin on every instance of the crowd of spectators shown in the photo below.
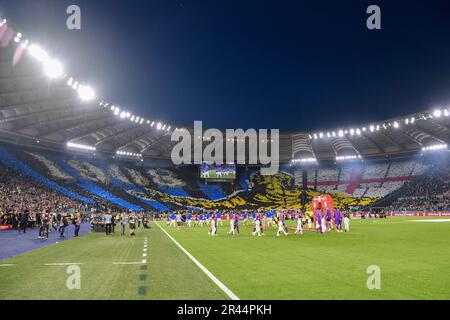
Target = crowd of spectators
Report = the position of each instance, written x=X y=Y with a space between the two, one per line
x=428 y=193
x=23 y=199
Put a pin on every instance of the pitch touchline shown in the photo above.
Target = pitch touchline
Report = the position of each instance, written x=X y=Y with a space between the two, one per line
x=227 y=291
x=61 y=264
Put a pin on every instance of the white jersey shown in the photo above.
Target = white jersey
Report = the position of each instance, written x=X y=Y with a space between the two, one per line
x=346 y=224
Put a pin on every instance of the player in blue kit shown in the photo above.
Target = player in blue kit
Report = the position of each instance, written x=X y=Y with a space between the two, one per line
x=219 y=219
x=188 y=219
x=200 y=219
x=172 y=220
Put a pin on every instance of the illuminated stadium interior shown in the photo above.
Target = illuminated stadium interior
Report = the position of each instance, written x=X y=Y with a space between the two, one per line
x=67 y=151
x=44 y=108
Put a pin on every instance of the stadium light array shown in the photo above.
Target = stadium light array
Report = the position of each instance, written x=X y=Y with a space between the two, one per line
x=86 y=93
x=435 y=147
x=386 y=125
x=347 y=158
x=304 y=161
x=80 y=146
x=18 y=37
x=437 y=113
x=54 y=70
x=128 y=154
x=38 y=53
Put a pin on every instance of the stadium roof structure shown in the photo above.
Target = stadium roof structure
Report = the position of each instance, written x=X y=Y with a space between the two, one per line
x=36 y=110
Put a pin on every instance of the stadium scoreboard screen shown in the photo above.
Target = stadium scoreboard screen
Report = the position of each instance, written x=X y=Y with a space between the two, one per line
x=218 y=172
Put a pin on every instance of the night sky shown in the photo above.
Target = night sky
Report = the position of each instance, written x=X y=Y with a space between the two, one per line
x=292 y=65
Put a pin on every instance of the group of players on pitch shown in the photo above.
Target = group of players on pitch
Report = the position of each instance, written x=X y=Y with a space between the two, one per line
x=322 y=221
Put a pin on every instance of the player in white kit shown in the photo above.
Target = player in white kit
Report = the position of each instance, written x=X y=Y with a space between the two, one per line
x=231 y=232
x=299 y=229
x=281 y=227
x=346 y=224
x=257 y=230
x=213 y=230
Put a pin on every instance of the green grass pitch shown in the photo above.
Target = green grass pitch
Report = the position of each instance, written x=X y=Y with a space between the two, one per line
x=414 y=259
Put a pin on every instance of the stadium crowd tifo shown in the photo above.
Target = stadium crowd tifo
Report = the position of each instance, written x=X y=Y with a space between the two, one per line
x=72 y=162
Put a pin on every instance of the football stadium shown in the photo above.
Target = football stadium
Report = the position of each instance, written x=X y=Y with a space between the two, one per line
x=94 y=207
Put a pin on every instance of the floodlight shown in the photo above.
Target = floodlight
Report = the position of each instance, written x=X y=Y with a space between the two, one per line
x=38 y=53
x=86 y=93
x=53 y=68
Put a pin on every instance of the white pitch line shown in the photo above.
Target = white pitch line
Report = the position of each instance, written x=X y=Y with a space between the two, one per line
x=7 y=265
x=144 y=255
x=144 y=261
x=431 y=220
x=227 y=291
x=145 y=249
x=61 y=264
x=140 y=262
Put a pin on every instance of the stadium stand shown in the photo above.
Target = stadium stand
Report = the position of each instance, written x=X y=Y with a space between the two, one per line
x=10 y=161
x=211 y=191
x=132 y=186
x=427 y=193
x=20 y=193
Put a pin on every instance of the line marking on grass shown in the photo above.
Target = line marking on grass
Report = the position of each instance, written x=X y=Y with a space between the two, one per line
x=62 y=264
x=431 y=220
x=120 y=263
x=145 y=249
x=144 y=261
x=144 y=255
x=7 y=265
x=224 y=288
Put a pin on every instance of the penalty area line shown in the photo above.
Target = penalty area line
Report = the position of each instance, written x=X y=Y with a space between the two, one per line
x=224 y=288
